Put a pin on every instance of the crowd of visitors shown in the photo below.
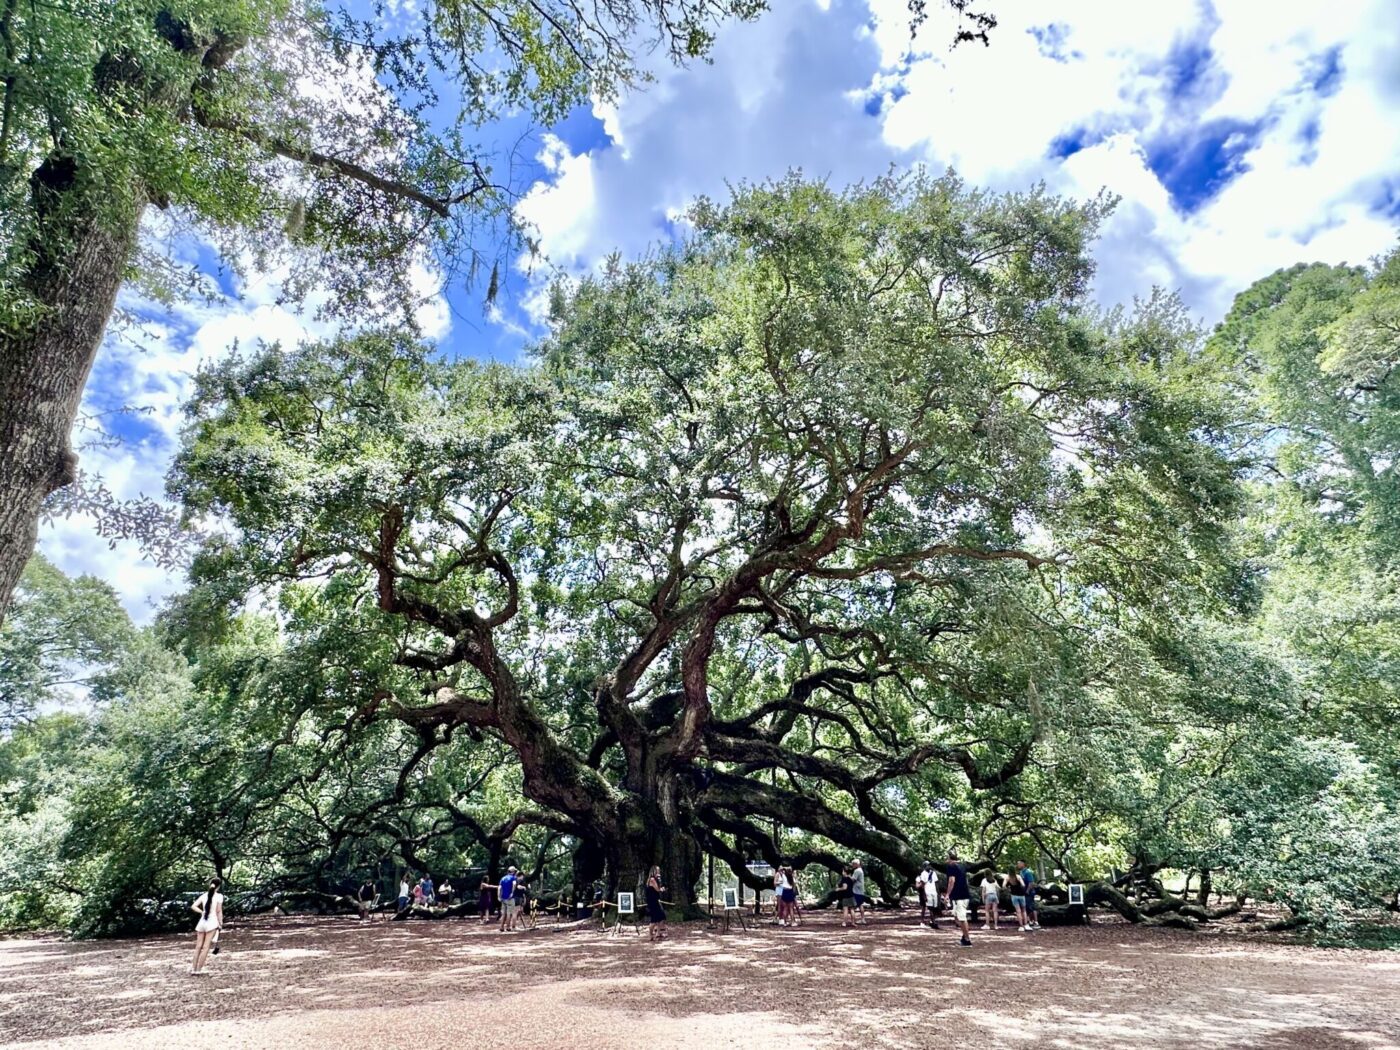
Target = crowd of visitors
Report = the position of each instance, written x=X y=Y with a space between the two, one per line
x=510 y=898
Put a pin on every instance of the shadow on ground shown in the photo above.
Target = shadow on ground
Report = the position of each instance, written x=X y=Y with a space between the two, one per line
x=338 y=982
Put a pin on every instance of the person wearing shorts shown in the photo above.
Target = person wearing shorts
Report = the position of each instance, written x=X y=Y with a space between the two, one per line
x=790 y=895
x=1028 y=880
x=960 y=898
x=210 y=909
x=991 y=899
x=508 y=900
x=845 y=897
x=1018 y=898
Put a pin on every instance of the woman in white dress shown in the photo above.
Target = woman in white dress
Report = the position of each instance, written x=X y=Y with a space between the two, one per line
x=210 y=908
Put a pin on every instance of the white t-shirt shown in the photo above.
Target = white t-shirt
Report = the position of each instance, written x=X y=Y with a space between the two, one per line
x=990 y=888
x=403 y=888
x=211 y=921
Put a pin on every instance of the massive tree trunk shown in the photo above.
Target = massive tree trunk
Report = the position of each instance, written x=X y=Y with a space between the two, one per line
x=86 y=220
x=675 y=850
x=81 y=255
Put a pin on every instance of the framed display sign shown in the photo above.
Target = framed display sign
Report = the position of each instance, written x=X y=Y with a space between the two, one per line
x=624 y=904
x=731 y=898
x=1076 y=893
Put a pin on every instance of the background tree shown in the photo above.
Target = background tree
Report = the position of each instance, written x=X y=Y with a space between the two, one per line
x=64 y=637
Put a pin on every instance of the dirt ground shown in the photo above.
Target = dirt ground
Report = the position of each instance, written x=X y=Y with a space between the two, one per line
x=337 y=983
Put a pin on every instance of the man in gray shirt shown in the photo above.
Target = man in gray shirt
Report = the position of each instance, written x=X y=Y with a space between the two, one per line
x=858 y=888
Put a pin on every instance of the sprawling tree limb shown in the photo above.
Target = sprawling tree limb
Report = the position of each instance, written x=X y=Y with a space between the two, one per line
x=737 y=794
x=315 y=159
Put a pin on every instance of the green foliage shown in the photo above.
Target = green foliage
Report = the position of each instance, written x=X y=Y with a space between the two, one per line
x=1022 y=500
x=290 y=133
x=62 y=635
x=956 y=560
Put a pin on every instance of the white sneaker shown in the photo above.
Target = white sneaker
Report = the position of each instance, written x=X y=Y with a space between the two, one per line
x=1023 y=929
x=1035 y=925
x=985 y=926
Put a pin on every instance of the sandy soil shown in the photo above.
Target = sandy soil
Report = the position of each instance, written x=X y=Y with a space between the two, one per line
x=338 y=983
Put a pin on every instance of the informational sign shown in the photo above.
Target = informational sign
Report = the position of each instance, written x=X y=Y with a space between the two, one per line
x=1076 y=893
x=624 y=904
x=731 y=898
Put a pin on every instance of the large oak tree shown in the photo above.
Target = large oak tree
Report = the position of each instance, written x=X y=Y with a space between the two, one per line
x=846 y=494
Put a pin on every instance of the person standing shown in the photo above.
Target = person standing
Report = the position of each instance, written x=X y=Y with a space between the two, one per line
x=429 y=897
x=403 y=891
x=790 y=895
x=959 y=897
x=209 y=906
x=1028 y=880
x=508 y=901
x=782 y=896
x=656 y=913
x=991 y=899
x=858 y=888
x=484 y=901
x=445 y=892
x=845 y=897
x=927 y=886
x=365 y=898
x=1017 y=886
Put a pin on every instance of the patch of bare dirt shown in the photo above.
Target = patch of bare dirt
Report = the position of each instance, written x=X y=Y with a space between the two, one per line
x=338 y=983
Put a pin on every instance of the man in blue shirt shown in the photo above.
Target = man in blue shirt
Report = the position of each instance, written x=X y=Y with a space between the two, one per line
x=1028 y=878
x=508 y=899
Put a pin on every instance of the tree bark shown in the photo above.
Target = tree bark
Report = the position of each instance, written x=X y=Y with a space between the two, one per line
x=86 y=224
x=44 y=366
x=588 y=863
x=652 y=837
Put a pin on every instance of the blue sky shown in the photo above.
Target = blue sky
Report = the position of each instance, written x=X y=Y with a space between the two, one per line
x=1241 y=137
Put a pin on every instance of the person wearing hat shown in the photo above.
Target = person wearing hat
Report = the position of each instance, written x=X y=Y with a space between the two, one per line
x=927 y=885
